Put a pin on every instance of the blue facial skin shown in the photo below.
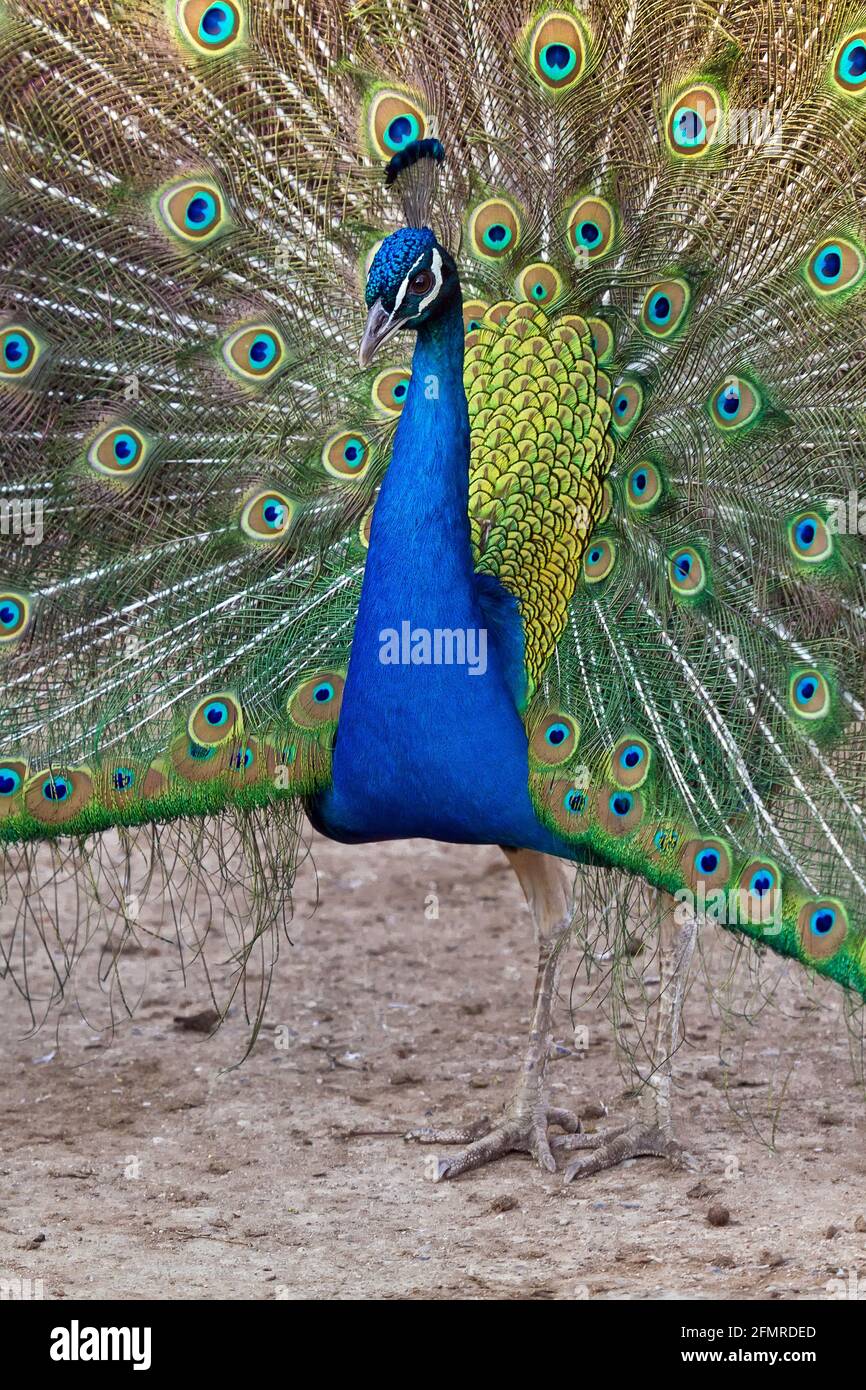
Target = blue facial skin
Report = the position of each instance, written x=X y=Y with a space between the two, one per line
x=428 y=750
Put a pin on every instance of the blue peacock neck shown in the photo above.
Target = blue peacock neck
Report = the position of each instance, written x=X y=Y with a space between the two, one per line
x=420 y=550
x=424 y=748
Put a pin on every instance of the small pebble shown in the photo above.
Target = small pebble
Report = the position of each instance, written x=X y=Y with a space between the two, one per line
x=830 y=1232
x=718 y=1215
x=772 y=1258
x=860 y=1224
x=504 y=1203
x=34 y=1243
x=203 y=1022
x=702 y=1189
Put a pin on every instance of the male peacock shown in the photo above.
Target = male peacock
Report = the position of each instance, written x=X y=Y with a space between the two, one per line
x=603 y=608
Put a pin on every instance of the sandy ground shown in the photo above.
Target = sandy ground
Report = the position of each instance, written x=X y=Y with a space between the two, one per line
x=144 y=1169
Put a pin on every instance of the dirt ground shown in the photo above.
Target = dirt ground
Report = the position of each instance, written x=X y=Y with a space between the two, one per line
x=142 y=1168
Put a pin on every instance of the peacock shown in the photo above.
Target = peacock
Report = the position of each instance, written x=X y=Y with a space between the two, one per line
x=440 y=418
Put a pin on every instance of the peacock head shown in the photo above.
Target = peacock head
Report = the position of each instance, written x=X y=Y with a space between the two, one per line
x=412 y=279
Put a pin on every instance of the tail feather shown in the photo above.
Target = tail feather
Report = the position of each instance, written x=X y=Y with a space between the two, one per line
x=186 y=232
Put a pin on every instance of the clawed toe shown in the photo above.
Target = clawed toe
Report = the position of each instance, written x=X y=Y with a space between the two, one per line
x=525 y=1130
x=465 y=1134
x=609 y=1148
x=521 y=1130
x=564 y=1119
x=566 y=1143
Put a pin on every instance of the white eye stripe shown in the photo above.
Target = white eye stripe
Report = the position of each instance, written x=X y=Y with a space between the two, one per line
x=401 y=293
x=436 y=269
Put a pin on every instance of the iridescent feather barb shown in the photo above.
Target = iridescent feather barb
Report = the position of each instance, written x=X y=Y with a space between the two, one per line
x=661 y=252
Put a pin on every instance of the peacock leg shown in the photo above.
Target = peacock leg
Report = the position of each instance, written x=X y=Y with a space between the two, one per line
x=652 y=1135
x=524 y=1125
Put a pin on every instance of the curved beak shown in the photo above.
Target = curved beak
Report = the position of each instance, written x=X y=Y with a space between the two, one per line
x=380 y=326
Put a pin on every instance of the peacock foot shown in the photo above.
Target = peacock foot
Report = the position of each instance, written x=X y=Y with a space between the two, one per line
x=613 y=1146
x=522 y=1129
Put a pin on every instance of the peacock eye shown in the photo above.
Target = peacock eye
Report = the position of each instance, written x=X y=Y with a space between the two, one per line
x=422 y=283
x=835 y=265
x=15 y=615
x=255 y=353
x=394 y=120
x=539 y=283
x=694 y=122
x=210 y=26
x=19 y=351
x=118 y=451
x=735 y=403
x=213 y=720
x=267 y=516
x=809 y=694
x=193 y=210
x=849 y=67
x=316 y=702
x=557 y=51
x=664 y=308
x=494 y=229
x=590 y=227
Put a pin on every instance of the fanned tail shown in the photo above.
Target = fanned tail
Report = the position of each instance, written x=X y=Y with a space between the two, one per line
x=713 y=658
x=682 y=182
x=184 y=226
x=190 y=199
